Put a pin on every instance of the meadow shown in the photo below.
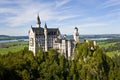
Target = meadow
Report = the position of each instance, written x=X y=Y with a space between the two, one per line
x=110 y=47
x=13 y=46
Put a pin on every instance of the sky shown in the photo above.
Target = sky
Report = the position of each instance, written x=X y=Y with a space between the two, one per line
x=90 y=16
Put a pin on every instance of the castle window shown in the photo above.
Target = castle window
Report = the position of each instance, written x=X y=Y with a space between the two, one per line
x=31 y=42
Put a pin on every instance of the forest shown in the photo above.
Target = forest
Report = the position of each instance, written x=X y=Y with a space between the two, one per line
x=86 y=65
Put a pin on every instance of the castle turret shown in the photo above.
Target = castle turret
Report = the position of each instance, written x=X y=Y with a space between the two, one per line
x=38 y=24
x=46 y=40
x=69 y=48
x=64 y=47
x=94 y=43
x=76 y=34
x=58 y=34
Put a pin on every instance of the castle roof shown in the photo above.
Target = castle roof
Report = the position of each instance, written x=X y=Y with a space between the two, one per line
x=38 y=30
x=76 y=28
x=53 y=31
x=50 y=31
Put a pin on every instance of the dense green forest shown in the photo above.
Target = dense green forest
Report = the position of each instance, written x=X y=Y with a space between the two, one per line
x=87 y=65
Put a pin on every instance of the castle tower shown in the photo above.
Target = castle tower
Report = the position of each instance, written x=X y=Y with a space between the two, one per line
x=94 y=43
x=69 y=48
x=46 y=40
x=38 y=24
x=76 y=34
x=64 y=46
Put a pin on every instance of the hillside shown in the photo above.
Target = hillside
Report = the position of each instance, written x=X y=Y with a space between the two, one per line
x=6 y=37
x=51 y=65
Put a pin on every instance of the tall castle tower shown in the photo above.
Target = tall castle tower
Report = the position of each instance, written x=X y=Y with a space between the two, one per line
x=76 y=34
x=46 y=37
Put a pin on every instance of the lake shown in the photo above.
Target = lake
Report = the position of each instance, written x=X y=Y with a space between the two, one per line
x=97 y=39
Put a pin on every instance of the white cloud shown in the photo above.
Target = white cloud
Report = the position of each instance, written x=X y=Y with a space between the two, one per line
x=26 y=13
x=28 y=10
x=60 y=3
x=110 y=3
x=5 y=1
x=93 y=25
x=60 y=18
x=6 y=10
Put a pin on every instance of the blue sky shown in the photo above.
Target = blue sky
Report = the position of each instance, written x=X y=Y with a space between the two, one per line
x=90 y=16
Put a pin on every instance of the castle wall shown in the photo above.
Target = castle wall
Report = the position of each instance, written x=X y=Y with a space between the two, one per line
x=50 y=40
x=32 y=42
x=40 y=41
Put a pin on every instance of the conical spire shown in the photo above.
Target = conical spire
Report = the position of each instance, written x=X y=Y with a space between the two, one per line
x=31 y=26
x=45 y=25
x=38 y=21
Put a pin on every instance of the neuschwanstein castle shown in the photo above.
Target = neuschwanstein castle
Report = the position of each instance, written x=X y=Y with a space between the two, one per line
x=47 y=38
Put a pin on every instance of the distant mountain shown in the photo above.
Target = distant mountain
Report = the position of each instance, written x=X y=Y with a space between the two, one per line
x=101 y=36
x=96 y=36
x=6 y=37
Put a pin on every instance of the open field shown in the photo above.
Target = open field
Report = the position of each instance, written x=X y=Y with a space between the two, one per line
x=105 y=44
x=111 y=54
x=13 y=46
x=110 y=47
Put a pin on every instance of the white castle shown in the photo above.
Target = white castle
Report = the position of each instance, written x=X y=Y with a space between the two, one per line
x=47 y=38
